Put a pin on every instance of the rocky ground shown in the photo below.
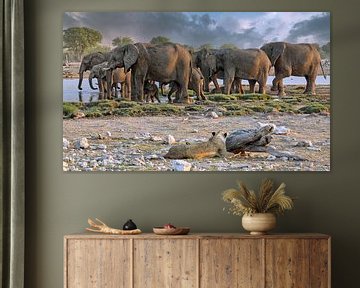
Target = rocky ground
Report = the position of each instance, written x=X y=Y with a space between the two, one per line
x=125 y=137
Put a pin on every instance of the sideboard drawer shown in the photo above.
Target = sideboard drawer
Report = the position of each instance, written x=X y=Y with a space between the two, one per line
x=197 y=261
x=165 y=263
x=98 y=263
x=231 y=263
x=304 y=262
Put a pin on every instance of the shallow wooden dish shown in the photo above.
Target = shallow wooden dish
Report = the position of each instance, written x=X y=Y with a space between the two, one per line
x=171 y=231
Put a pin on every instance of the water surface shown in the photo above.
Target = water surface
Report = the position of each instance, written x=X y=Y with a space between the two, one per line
x=72 y=94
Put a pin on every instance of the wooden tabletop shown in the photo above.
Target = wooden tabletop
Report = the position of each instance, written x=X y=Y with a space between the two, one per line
x=89 y=235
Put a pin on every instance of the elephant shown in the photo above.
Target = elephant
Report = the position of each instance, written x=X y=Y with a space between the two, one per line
x=95 y=72
x=236 y=86
x=161 y=85
x=250 y=64
x=205 y=69
x=294 y=59
x=90 y=60
x=151 y=91
x=118 y=76
x=164 y=63
x=196 y=83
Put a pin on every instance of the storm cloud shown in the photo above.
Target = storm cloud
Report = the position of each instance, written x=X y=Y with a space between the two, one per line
x=244 y=29
x=315 y=29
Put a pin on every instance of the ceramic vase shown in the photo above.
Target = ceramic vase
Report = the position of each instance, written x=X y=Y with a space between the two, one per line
x=259 y=223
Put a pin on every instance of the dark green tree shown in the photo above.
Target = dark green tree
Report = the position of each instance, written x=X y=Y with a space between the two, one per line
x=122 y=41
x=78 y=39
x=206 y=46
x=97 y=48
x=159 y=40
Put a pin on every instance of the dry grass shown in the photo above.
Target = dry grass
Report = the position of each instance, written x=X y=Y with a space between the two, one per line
x=245 y=201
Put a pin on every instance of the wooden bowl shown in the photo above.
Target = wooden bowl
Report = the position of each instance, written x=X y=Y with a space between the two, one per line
x=171 y=231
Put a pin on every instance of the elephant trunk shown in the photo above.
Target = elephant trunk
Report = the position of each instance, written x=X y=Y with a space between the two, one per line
x=81 y=74
x=207 y=78
x=207 y=84
x=109 y=76
x=80 y=80
x=90 y=83
x=322 y=69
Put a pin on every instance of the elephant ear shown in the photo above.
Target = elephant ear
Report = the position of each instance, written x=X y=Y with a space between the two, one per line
x=277 y=51
x=102 y=72
x=211 y=62
x=196 y=59
x=131 y=55
x=96 y=58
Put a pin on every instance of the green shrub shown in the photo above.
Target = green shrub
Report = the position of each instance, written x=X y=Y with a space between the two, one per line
x=195 y=108
x=151 y=108
x=208 y=102
x=93 y=112
x=292 y=100
x=231 y=107
x=280 y=106
x=191 y=93
x=69 y=109
x=108 y=104
x=314 y=108
x=169 y=109
x=222 y=98
x=127 y=104
x=131 y=111
x=261 y=109
x=255 y=96
x=240 y=112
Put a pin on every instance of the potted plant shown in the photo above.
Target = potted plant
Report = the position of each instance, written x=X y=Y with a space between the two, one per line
x=258 y=210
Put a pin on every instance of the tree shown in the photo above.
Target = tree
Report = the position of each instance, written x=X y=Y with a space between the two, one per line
x=229 y=46
x=326 y=50
x=159 y=40
x=97 y=48
x=206 y=46
x=80 y=38
x=122 y=41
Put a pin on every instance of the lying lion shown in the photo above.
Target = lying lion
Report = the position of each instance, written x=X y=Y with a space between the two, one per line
x=214 y=147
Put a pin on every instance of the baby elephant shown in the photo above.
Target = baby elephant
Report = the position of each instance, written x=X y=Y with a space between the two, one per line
x=117 y=76
x=151 y=91
x=214 y=147
x=196 y=83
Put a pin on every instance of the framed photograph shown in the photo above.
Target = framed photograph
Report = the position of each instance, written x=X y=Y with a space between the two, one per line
x=196 y=91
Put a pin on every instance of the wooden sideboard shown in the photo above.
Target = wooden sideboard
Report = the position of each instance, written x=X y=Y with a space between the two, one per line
x=197 y=260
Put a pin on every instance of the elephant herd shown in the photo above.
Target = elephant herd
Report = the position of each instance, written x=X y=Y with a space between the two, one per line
x=137 y=66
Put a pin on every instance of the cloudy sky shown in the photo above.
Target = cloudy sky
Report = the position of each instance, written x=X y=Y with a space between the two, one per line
x=244 y=29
